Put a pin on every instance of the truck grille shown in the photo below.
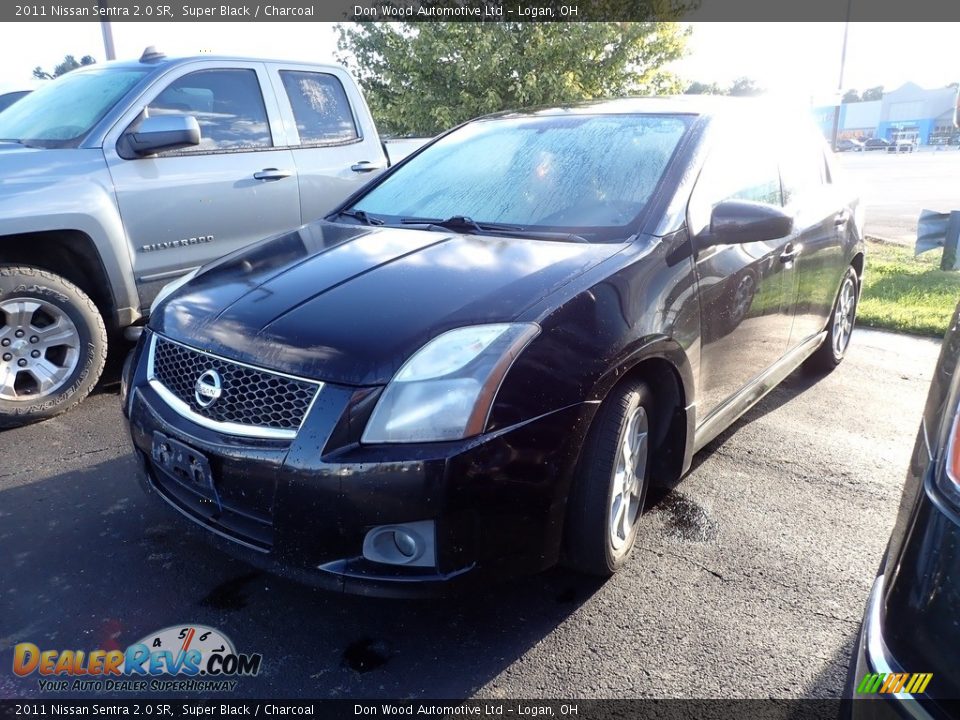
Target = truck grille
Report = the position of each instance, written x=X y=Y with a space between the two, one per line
x=251 y=402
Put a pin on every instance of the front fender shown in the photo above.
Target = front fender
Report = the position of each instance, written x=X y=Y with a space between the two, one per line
x=44 y=191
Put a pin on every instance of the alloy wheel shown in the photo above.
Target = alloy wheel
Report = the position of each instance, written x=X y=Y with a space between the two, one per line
x=629 y=475
x=843 y=317
x=39 y=349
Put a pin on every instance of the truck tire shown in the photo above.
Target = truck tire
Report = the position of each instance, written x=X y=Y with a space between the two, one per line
x=53 y=345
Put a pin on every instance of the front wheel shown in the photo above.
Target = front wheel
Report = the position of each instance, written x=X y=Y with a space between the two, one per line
x=611 y=488
x=53 y=345
x=839 y=328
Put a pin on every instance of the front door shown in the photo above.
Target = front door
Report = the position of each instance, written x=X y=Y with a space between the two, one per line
x=183 y=208
x=747 y=291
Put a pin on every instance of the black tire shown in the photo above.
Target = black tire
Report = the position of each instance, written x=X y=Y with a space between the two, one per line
x=589 y=533
x=79 y=361
x=829 y=355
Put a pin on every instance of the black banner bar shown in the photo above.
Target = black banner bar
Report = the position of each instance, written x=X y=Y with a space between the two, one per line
x=457 y=709
x=477 y=10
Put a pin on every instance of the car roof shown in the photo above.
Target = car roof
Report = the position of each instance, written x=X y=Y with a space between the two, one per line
x=659 y=104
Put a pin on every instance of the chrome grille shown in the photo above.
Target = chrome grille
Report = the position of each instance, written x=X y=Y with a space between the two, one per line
x=252 y=402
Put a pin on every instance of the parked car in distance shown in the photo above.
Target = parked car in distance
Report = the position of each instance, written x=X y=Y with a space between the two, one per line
x=849 y=145
x=908 y=649
x=904 y=141
x=876 y=144
x=167 y=164
x=475 y=366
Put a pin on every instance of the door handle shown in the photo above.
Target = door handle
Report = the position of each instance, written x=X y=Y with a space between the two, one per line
x=841 y=219
x=272 y=174
x=790 y=253
x=365 y=166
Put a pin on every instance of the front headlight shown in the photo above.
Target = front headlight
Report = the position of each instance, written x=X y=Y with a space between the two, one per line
x=445 y=391
x=172 y=287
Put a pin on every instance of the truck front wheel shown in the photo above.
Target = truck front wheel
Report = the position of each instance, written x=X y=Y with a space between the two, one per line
x=53 y=345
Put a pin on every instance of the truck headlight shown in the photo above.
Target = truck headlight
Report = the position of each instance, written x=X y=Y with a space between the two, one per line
x=446 y=389
x=172 y=287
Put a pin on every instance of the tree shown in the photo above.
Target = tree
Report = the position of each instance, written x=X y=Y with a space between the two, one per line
x=69 y=63
x=699 y=88
x=421 y=78
x=874 y=93
x=850 y=96
x=744 y=87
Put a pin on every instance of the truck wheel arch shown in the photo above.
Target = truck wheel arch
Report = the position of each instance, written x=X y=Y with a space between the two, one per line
x=71 y=254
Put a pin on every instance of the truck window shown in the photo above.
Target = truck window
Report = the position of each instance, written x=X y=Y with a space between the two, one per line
x=227 y=104
x=320 y=107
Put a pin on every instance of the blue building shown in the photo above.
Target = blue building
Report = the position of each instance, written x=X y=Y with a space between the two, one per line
x=909 y=110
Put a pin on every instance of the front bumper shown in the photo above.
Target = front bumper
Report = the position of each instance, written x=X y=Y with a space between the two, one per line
x=910 y=621
x=296 y=509
x=873 y=656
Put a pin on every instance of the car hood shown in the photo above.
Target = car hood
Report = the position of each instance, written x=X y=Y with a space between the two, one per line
x=349 y=304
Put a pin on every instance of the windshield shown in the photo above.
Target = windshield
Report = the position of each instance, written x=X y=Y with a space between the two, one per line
x=590 y=175
x=61 y=113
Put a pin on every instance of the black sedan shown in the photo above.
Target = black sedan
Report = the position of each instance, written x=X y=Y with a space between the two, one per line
x=909 y=646
x=478 y=364
x=877 y=144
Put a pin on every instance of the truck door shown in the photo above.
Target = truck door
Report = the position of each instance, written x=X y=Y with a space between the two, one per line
x=336 y=147
x=183 y=208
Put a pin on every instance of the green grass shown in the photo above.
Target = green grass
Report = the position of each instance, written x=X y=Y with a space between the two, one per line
x=907 y=294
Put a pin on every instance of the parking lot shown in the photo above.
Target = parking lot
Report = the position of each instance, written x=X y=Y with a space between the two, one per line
x=895 y=188
x=749 y=579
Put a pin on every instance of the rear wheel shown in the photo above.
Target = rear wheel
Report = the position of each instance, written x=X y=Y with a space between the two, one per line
x=53 y=345
x=611 y=487
x=840 y=327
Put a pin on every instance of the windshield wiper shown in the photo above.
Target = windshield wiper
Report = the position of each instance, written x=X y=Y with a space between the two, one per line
x=362 y=216
x=463 y=224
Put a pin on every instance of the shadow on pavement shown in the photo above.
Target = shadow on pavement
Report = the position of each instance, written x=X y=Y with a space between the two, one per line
x=89 y=563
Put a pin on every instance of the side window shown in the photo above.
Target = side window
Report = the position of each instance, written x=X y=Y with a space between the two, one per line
x=802 y=169
x=320 y=107
x=228 y=105
x=735 y=171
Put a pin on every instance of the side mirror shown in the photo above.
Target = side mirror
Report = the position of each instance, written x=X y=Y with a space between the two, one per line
x=164 y=132
x=740 y=221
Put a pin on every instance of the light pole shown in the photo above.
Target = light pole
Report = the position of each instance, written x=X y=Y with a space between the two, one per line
x=107 y=32
x=843 y=63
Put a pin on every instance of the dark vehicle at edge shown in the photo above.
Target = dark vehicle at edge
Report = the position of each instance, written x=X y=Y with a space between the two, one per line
x=911 y=627
x=475 y=367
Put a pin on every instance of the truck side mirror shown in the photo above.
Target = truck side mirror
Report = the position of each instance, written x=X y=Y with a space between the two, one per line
x=164 y=132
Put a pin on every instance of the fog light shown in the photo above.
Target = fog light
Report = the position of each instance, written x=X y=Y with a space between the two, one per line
x=406 y=544
x=402 y=544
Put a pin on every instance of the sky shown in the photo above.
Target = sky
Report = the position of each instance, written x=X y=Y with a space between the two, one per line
x=798 y=59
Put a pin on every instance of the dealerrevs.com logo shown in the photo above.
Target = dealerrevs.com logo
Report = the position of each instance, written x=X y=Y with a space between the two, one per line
x=179 y=658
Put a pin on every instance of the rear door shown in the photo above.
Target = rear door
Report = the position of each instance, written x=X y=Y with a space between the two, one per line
x=746 y=290
x=335 y=145
x=820 y=219
x=183 y=208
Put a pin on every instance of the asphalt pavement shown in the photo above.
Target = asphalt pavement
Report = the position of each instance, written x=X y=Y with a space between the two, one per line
x=896 y=187
x=749 y=579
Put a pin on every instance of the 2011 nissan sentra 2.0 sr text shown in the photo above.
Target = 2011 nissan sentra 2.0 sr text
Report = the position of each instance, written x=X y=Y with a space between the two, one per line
x=477 y=365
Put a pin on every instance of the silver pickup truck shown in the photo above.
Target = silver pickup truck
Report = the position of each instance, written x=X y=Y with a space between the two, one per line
x=118 y=178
